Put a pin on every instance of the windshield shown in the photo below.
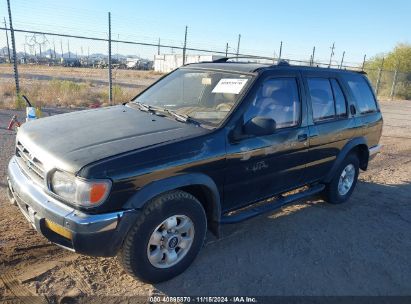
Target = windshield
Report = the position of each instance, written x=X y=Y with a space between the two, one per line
x=204 y=96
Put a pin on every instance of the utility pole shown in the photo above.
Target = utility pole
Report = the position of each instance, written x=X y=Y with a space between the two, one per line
x=281 y=51
x=377 y=85
x=342 y=60
x=185 y=46
x=332 y=54
x=118 y=38
x=54 y=49
x=226 y=50
x=363 y=62
x=158 y=47
x=110 y=80
x=13 y=45
x=7 y=39
x=68 y=48
x=238 y=45
x=61 y=47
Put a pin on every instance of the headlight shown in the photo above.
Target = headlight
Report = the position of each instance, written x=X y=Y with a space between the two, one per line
x=79 y=191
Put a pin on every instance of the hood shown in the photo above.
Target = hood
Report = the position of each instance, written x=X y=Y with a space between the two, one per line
x=71 y=141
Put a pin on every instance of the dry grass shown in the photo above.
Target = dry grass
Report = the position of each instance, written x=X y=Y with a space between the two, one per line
x=81 y=88
x=62 y=93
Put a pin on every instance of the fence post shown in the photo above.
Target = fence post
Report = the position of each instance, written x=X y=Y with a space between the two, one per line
x=238 y=45
x=13 y=45
x=394 y=83
x=342 y=59
x=377 y=85
x=281 y=50
x=312 y=57
x=185 y=46
x=110 y=79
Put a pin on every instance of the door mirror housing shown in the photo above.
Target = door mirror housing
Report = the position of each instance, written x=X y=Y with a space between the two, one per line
x=260 y=126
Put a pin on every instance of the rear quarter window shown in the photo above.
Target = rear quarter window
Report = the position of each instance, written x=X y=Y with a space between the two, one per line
x=362 y=93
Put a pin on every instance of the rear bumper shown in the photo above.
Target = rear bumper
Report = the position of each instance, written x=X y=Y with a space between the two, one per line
x=91 y=234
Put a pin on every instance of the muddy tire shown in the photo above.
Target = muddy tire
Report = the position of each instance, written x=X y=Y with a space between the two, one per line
x=166 y=237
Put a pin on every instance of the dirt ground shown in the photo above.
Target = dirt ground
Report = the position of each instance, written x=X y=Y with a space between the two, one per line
x=362 y=247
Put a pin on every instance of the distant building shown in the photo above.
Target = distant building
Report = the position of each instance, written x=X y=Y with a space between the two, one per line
x=168 y=62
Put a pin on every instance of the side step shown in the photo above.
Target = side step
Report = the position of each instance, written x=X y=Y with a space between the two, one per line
x=283 y=200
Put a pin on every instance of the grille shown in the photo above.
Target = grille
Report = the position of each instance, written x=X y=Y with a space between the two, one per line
x=29 y=163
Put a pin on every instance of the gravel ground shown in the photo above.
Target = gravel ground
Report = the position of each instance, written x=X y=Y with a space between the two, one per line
x=362 y=247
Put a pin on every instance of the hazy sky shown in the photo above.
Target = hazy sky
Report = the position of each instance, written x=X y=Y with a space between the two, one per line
x=357 y=27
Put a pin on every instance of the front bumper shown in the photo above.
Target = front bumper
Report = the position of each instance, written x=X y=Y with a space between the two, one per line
x=91 y=234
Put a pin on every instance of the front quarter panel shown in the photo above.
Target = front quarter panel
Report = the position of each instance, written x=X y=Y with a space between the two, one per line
x=132 y=172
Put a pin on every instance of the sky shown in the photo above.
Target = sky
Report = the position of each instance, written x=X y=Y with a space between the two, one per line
x=357 y=27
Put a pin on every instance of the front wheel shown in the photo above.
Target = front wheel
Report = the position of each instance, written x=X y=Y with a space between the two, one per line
x=343 y=183
x=166 y=237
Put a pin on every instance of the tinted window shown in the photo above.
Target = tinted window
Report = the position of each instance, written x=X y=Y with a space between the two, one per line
x=278 y=99
x=340 y=104
x=362 y=93
x=322 y=99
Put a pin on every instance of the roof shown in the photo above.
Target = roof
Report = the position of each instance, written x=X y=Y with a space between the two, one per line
x=246 y=67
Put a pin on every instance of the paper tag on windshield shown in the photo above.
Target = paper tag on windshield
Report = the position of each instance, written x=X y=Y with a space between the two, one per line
x=229 y=85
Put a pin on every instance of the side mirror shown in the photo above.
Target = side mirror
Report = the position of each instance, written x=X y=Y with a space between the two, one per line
x=259 y=126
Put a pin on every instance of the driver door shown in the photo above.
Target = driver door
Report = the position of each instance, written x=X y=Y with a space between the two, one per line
x=259 y=167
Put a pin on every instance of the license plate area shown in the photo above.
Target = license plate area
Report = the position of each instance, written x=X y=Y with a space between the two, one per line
x=27 y=211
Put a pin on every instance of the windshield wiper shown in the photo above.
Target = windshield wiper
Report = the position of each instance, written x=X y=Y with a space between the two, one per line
x=144 y=107
x=177 y=116
x=164 y=111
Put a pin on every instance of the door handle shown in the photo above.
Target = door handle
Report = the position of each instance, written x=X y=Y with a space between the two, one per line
x=302 y=137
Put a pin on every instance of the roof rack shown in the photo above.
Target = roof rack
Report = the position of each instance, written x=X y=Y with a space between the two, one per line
x=225 y=59
x=282 y=62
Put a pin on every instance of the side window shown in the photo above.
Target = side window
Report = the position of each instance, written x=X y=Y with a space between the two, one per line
x=362 y=93
x=322 y=99
x=278 y=99
x=340 y=104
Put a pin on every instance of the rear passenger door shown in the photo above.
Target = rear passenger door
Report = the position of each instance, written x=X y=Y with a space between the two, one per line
x=330 y=123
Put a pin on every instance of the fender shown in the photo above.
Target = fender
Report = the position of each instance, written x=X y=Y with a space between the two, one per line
x=343 y=153
x=151 y=190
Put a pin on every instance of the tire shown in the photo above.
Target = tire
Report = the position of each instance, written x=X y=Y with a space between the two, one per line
x=332 y=193
x=159 y=214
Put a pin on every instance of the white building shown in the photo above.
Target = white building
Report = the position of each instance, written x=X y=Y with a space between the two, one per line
x=168 y=62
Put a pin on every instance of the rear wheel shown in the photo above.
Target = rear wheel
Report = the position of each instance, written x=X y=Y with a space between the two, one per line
x=166 y=237
x=343 y=183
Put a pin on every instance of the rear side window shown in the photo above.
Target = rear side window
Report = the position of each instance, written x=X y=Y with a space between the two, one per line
x=362 y=93
x=322 y=99
x=340 y=103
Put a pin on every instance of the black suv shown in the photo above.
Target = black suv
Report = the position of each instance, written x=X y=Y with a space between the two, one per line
x=197 y=149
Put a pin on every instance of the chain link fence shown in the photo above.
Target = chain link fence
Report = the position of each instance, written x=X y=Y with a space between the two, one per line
x=73 y=71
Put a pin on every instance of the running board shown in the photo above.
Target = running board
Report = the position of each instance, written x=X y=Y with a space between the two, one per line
x=284 y=200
